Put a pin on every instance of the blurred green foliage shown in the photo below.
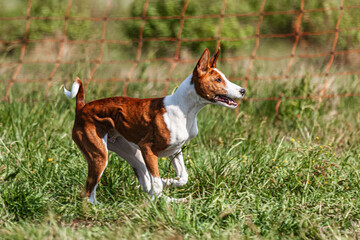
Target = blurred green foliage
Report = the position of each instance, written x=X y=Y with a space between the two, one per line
x=233 y=27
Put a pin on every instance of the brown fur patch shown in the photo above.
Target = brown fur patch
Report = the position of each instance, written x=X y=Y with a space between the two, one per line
x=135 y=119
x=207 y=87
x=138 y=120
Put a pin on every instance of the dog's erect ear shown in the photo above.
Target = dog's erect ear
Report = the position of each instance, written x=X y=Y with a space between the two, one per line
x=203 y=64
x=214 y=58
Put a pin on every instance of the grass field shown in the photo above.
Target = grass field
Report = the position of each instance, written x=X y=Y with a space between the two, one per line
x=255 y=175
x=250 y=176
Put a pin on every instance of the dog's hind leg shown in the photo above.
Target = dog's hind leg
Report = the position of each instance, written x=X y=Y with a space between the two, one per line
x=133 y=157
x=95 y=152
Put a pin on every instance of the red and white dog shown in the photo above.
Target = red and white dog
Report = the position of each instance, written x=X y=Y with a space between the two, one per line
x=141 y=130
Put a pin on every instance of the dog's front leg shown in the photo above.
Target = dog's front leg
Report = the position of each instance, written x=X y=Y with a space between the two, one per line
x=181 y=174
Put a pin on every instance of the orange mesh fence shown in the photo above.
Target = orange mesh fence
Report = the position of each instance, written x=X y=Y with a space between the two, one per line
x=176 y=59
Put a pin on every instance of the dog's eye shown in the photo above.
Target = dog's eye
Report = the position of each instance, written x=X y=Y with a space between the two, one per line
x=218 y=80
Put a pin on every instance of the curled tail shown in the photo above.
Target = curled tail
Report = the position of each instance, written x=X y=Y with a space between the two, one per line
x=78 y=91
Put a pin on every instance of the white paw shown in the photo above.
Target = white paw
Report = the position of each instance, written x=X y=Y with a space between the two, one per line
x=176 y=200
x=169 y=199
x=174 y=182
x=167 y=182
x=93 y=201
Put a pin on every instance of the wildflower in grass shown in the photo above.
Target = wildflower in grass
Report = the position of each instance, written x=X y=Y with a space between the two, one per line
x=313 y=161
x=299 y=181
x=33 y=171
x=325 y=182
x=347 y=188
x=321 y=147
x=334 y=154
x=317 y=138
x=310 y=148
x=273 y=159
x=359 y=154
x=50 y=159
x=276 y=167
x=298 y=141
x=285 y=161
x=163 y=158
x=293 y=140
x=244 y=161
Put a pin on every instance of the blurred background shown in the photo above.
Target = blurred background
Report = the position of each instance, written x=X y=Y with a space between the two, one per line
x=293 y=49
x=286 y=164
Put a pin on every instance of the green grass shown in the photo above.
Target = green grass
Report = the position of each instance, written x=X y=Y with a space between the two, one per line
x=250 y=176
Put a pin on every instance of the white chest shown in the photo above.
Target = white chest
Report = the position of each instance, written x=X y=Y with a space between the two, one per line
x=180 y=117
x=182 y=128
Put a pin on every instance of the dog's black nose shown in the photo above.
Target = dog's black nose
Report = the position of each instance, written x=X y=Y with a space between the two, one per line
x=242 y=91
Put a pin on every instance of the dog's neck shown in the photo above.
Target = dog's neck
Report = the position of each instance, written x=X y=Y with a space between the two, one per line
x=186 y=99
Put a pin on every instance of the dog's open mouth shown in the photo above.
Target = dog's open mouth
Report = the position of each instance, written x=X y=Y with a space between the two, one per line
x=224 y=99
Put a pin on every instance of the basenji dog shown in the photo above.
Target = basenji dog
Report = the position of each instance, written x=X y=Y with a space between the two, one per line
x=141 y=130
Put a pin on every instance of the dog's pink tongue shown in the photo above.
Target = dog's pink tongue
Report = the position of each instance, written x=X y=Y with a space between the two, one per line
x=227 y=100
x=230 y=101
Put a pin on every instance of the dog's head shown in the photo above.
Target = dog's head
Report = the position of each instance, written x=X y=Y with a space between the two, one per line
x=212 y=85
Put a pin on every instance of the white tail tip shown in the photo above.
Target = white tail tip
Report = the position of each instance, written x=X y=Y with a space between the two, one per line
x=74 y=90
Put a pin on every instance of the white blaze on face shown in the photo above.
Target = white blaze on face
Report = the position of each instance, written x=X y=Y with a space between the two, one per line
x=233 y=90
